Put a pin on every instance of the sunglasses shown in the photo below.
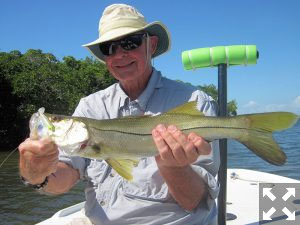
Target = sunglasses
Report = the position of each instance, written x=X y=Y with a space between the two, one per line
x=127 y=43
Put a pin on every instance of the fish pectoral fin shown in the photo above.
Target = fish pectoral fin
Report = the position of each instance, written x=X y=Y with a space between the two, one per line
x=123 y=166
x=189 y=108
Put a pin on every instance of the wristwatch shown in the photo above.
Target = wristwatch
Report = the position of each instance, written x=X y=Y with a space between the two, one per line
x=37 y=187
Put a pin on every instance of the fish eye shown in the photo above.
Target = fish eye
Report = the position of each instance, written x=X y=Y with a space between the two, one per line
x=40 y=127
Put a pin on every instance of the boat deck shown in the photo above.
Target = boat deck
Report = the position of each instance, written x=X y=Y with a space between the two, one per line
x=242 y=200
x=243 y=197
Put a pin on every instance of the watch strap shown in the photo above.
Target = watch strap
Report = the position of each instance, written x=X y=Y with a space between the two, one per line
x=37 y=187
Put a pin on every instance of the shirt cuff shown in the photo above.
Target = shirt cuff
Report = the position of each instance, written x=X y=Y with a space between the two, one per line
x=211 y=184
x=76 y=162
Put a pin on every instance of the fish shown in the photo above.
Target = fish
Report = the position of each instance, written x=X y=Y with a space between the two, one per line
x=122 y=142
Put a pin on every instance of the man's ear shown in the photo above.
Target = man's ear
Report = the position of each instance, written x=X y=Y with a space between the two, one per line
x=153 y=43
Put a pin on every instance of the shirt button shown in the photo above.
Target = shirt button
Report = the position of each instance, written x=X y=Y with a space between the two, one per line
x=102 y=203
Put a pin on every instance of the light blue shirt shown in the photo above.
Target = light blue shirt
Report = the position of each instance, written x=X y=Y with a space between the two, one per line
x=112 y=200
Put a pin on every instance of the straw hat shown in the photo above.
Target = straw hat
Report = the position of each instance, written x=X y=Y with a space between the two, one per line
x=120 y=20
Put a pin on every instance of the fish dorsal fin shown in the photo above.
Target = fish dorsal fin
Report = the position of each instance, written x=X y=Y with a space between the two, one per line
x=189 y=108
x=123 y=166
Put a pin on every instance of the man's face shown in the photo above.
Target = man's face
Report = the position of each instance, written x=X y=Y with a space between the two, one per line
x=129 y=65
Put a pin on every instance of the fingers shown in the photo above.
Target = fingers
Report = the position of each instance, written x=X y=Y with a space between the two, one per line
x=47 y=147
x=185 y=151
x=202 y=146
x=43 y=147
x=177 y=149
x=164 y=150
x=38 y=158
x=174 y=146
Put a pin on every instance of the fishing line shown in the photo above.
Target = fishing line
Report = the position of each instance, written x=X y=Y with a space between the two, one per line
x=8 y=156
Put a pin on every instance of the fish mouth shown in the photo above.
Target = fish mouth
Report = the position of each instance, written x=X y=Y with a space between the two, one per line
x=70 y=135
x=74 y=149
x=83 y=145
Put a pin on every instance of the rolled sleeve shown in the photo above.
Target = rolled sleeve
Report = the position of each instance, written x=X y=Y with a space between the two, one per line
x=206 y=103
x=210 y=180
x=76 y=162
x=207 y=168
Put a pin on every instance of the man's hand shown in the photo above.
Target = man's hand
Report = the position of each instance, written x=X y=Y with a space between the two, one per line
x=176 y=149
x=38 y=159
x=176 y=153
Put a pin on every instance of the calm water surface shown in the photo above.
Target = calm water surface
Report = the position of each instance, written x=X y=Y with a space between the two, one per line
x=289 y=140
x=21 y=205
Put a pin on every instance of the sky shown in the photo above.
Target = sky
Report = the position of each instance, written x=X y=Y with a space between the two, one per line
x=273 y=84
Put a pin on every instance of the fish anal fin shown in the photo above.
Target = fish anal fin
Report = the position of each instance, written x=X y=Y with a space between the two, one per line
x=189 y=108
x=123 y=166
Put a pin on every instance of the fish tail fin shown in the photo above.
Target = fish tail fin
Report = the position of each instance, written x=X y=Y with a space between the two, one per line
x=273 y=121
x=258 y=137
x=264 y=146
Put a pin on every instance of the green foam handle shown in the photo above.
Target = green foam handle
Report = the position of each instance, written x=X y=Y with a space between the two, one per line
x=209 y=57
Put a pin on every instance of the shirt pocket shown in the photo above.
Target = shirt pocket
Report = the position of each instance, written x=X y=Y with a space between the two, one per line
x=147 y=183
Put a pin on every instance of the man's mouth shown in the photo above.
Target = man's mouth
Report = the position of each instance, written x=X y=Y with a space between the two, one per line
x=124 y=65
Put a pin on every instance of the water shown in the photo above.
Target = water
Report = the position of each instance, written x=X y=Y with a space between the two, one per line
x=21 y=205
x=289 y=140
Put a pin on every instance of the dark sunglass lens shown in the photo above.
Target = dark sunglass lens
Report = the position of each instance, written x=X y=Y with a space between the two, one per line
x=113 y=48
x=127 y=43
x=105 y=48
x=132 y=42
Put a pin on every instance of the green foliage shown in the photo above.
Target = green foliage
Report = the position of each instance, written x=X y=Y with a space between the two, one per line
x=36 y=79
x=232 y=108
x=212 y=91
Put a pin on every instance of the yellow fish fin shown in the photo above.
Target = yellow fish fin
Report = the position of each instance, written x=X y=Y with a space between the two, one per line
x=259 y=134
x=189 y=108
x=272 y=121
x=123 y=166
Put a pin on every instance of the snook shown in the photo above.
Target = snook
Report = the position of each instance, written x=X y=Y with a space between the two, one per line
x=121 y=142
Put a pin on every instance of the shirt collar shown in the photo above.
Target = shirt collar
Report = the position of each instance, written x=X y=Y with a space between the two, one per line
x=123 y=97
x=153 y=83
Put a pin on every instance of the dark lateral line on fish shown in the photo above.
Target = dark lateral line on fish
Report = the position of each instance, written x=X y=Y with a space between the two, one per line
x=185 y=129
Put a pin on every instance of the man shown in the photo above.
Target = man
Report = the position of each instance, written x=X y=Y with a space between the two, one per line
x=175 y=187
